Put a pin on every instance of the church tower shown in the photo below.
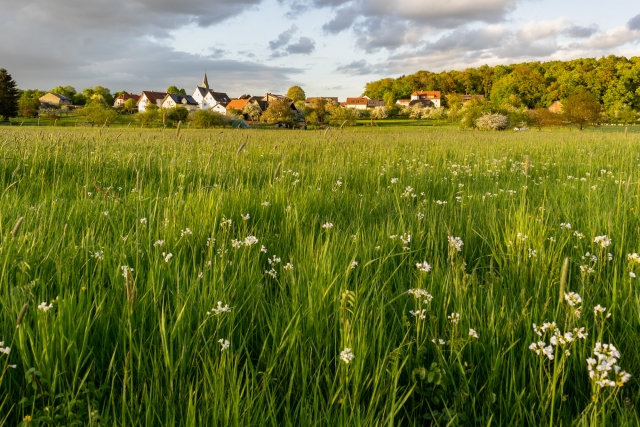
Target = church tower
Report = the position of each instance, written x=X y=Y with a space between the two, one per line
x=205 y=82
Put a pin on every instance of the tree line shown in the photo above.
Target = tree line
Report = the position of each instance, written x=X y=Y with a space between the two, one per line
x=614 y=81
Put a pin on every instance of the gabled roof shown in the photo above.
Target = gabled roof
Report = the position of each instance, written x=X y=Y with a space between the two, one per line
x=181 y=99
x=238 y=104
x=126 y=96
x=434 y=94
x=357 y=101
x=219 y=97
x=152 y=96
x=62 y=97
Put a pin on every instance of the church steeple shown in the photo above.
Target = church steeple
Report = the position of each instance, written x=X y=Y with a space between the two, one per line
x=205 y=82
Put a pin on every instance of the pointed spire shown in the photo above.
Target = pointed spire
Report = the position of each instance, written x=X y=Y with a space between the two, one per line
x=205 y=82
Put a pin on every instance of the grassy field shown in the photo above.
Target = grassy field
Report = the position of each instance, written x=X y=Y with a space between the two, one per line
x=390 y=277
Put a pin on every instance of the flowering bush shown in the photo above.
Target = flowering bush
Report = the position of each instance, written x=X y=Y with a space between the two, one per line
x=492 y=121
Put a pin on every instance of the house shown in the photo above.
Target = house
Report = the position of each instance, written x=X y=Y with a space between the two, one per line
x=466 y=98
x=150 y=97
x=55 y=99
x=121 y=99
x=403 y=102
x=424 y=103
x=172 y=100
x=208 y=99
x=556 y=107
x=363 y=103
x=430 y=95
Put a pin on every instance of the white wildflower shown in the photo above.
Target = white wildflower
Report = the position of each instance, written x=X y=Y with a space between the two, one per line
x=347 y=355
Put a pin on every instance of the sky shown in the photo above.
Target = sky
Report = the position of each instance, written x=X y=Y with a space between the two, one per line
x=328 y=47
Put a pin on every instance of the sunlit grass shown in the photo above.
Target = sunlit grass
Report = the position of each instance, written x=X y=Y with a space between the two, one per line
x=147 y=345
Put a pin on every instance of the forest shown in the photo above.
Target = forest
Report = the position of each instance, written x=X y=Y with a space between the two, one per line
x=613 y=80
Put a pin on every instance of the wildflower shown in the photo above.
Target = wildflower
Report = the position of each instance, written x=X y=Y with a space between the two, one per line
x=158 y=243
x=273 y=260
x=99 y=255
x=105 y=213
x=603 y=241
x=632 y=274
x=473 y=334
x=419 y=313
x=143 y=221
x=186 y=232
x=424 y=267
x=250 y=240
x=245 y=217
x=580 y=333
x=338 y=183
x=224 y=344
x=347 y=355
x=542 y=349
x=44 y=307
x=572 y=298
x=27 y=418
x=236 y=243
x=406 y=238
x=226 y=222
x=354 y=264
x=521 y=237
x=394 y=180
x=598 y=309
x=420 y=215
x=439 y=341
x=455 y=243
x=167 y=257
x=263 y=249
x=219 y=309
x=420 y=294
x=200 y=275
x=126 y=270
x=454 y=318
x=565 y=225
x=634 y=258
x=5 y=350
x=578 y=234
x=552 y=239
x=533 y=253
x=327 y=225
x=271 y=273
x=609 y=257
x=288 y=266
x=266 y=204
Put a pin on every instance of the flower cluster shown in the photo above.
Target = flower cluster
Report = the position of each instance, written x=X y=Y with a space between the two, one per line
x=601 y=370
x=454 y=318
x=224 y=344
x=542 y=349
x=421 y=294
x=327 y=225
x=4 y=350
x=455 y=243
x=424 y=267
x=347 y=355
x=603 y=241
x=421 y=314
x=219 y=309
x=44 y=307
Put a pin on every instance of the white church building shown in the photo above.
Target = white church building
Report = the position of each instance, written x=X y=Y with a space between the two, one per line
x=208 y=99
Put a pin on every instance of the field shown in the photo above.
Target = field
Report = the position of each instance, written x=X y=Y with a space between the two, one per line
x=366 y=277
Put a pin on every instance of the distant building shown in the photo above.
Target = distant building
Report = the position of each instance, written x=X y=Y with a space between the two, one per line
x=121 y=99
x=208 y=99
x=150 y=97
x=466 y=98
x=428 y=95
x=172 y=100
x=424 y=103
x=403 y=102
x=363 y=103
x=55 y=99
x=556 y=107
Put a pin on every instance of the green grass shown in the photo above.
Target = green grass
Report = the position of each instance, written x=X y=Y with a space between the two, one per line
x=140 y=349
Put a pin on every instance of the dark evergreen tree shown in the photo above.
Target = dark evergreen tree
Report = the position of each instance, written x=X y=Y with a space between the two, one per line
x=8 y=95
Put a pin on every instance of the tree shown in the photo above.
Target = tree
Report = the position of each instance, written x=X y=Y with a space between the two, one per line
x=67 y=91
x=150 y=115
x=581 y=109
x=628 y=116
x=295 y=93
x=98 y=93
x=380 y=113
x=542 y=117
x=177 y=114
x=341 y=115
x=130 y=105
x=319 y=106
x=279 y=110
x=98 y=114
x=390 y=99
x=492 y=121
x=205 y=119
x=173 y=90
x=8 y=95
x=253 y=110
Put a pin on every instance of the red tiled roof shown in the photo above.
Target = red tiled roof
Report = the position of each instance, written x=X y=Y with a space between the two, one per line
x=357 y=101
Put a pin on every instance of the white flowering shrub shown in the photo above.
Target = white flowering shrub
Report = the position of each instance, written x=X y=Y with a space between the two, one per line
x=379 y=113
x=492 y=121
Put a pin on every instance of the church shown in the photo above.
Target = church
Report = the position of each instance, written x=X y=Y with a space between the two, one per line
x=208 y=99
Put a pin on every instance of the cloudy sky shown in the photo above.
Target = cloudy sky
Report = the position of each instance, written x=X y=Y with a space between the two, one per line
x=329 y=47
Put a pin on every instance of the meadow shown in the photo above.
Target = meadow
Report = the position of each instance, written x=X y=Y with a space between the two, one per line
x=380 y=277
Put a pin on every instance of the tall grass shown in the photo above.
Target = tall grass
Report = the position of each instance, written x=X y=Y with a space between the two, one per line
x=143 y=345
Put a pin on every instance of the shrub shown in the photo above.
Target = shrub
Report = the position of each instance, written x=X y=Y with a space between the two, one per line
x=492 y=121
x=379 y=113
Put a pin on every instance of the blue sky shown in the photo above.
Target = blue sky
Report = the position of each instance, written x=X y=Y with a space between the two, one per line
x=329 y=47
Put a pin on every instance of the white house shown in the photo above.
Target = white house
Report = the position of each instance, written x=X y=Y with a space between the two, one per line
x=429 y=95
x=150 y=97
x=363 y=103
x=207 y=99
x=172 y=100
